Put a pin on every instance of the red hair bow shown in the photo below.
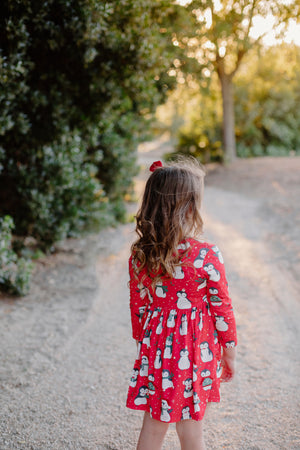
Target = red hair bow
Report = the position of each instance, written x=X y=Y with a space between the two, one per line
x=155 y=165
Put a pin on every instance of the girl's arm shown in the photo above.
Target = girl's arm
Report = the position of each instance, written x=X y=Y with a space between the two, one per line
x=219 y=301
x=138 y=302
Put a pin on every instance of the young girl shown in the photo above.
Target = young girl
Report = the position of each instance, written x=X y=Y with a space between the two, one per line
x=181 y=313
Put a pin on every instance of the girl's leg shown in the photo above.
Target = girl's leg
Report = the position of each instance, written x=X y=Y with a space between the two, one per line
x=152 y=434
x=190 y=433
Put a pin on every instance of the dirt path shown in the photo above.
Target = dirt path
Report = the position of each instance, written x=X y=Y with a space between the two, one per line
x=66 y=352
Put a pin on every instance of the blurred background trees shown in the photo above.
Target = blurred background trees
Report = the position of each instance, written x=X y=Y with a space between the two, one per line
x=80 y=82
x=214 y=37
x=267 y=95
x=266 y=99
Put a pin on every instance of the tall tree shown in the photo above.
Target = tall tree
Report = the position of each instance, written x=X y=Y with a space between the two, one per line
x=77 y=78
x=217 y=34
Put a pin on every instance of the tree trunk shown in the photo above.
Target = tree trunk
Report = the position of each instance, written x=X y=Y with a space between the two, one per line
x=228 y=118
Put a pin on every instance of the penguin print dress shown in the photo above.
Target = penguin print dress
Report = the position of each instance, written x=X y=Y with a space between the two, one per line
x=181 y=327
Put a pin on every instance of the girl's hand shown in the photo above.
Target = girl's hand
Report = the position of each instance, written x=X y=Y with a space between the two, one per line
x=228 y=364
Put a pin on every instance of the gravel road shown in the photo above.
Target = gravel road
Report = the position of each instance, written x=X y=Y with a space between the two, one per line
x=66 y=350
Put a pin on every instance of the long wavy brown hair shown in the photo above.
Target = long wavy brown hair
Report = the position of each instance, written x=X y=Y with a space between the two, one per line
x=169 y=213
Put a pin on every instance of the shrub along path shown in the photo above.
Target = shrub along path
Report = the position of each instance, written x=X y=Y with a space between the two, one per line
x=66 y=352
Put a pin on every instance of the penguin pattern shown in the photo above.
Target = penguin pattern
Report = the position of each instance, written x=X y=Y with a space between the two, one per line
x=140 y=313
x=196 y=401
x=183 y=326
x=158 y=360
x=183 y=302
x=147 y=320
x=180 y=325
x=167 y=380
x=215 y=337
x=218 y=254
x=165 y=411
x=198 y=262
x=144 y=367
x=159 y=326
x=178 y=273
x=193 y=315
x=185 y=414
x=206 y=353
x=221 y=325
x=160 y=290
x=134 y=377
x=213 y=291
x=184 y=362
x=206 y=381
x=142 y=397
x=147 y=336
x=200 y=324
x=171 y=319
x=215 y=300
x=195 y=370
x=230 y=344
x=188 y=388
x=142 y=290
x=168 y=347
x=156 y=311
x=183 y=245
x=151 y=386
x=202 y=283
x=214 y=274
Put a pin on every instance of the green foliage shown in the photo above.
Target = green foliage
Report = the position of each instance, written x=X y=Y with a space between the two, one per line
x=117 y=166
x=267 y=103
x=199 y=144
x=56 y=192
x=267 y=95
x=77 y=80
x=199 y=115
x=202 y=135
x=15 y=272
x=214 y=37
x=136 y=77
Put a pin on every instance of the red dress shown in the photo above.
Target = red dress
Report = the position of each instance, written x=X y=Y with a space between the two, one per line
x=181 y=326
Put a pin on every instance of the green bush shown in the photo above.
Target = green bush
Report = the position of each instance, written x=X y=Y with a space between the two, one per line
x=267 y=99
x=117 y=167
x=77 y=80
x=202 y=143
x=15 y=271
x=57 y=193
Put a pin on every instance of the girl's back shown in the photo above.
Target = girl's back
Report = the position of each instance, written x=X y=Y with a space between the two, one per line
x=176 y=324
x=181 y=313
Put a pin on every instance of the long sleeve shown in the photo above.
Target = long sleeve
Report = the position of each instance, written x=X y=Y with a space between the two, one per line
x=138 y=302
x=218 y=298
